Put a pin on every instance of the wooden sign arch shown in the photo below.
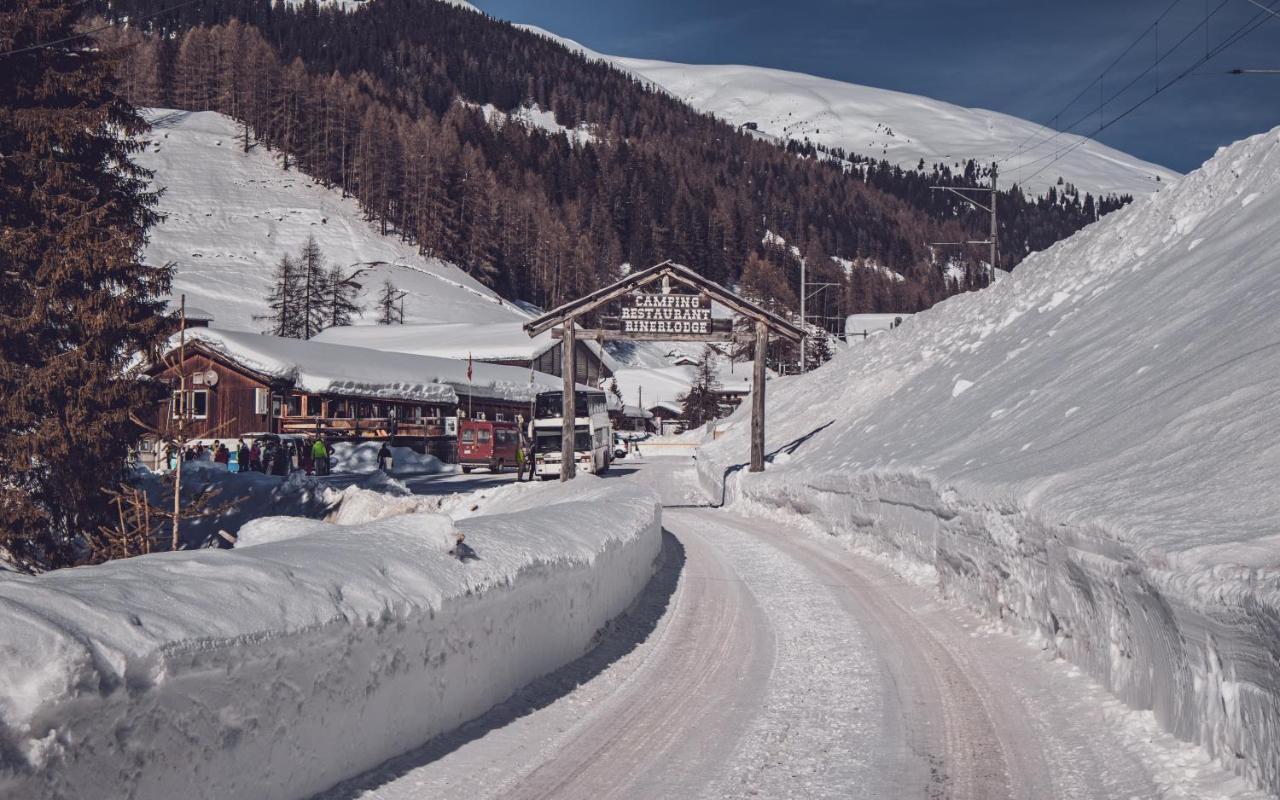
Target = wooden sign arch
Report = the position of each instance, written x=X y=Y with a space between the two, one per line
x=681 y=321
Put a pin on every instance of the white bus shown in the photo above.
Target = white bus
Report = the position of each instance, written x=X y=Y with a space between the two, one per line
x=593 y=441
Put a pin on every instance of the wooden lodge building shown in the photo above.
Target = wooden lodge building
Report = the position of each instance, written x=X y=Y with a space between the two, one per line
x=239 y=384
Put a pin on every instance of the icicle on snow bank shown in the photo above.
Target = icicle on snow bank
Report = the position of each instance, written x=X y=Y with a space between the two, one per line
x=1087 y=450
x=279 y=669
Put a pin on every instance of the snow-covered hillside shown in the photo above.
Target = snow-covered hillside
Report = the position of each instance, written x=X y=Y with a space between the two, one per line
x=880 y=123
x=1088 y=449
x=230 y=216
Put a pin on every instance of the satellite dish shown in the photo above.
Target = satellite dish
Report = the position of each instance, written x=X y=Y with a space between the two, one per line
x=211 y=378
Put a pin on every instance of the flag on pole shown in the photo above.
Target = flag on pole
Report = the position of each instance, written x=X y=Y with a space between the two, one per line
x=468 y=367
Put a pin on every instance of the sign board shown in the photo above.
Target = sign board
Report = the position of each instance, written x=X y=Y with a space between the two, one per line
x=666 y=313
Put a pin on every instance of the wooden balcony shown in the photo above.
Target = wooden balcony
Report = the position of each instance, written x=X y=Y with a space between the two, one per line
x=364 y=427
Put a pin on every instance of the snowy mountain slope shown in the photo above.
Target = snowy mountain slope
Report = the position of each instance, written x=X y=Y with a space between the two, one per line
x=880 y=123
x=230 y=216
x=1087 y=449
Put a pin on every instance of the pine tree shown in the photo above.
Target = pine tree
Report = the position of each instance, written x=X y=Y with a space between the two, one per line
x=285 y=300
x=76 y=305
x=702 y=402
x=314 y=290
x=391 y=305
x=340 y=301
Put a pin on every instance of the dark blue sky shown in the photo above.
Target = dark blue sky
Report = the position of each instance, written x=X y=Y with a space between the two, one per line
x=1022 y=57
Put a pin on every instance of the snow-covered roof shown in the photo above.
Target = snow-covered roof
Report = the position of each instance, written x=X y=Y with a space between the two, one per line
x=193 y=313
x=665 y=406
x=482 y=341
x=326 y=368
x=636 y=411
x=871 y=323
x=486 y=341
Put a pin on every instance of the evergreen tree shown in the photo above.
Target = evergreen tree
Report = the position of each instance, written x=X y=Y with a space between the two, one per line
x=76 y=305
x=390 y=305
x=702 y=402
x=314 y=290
x=285 y=300
x=340 y=301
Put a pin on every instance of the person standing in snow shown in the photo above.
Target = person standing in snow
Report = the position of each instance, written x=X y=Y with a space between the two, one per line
x=255 y=457
x=385 y=461
x=320 y=457
x=528 y=457
x=222 y=455
x=242 y=457
x=520 y=462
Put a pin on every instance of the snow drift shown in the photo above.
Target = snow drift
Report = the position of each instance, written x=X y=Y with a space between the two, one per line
x=1087 y=450
x=278 y=669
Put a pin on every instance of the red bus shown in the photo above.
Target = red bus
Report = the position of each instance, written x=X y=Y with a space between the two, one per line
x=482 y=443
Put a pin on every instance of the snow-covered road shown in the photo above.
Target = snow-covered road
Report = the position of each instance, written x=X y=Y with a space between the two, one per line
x=762 y=662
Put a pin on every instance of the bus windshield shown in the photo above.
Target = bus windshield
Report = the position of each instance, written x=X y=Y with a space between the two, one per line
x=548 y=441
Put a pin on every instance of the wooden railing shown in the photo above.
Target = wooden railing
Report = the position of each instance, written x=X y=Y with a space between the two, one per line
x=364 y=427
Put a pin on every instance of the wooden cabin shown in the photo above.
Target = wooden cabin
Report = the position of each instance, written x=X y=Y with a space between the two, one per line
x=239 y=383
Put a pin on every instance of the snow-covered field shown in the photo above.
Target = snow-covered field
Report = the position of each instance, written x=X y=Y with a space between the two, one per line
x=230 y=216
x=902 y=128
x=1086 y=451
x=309 y=653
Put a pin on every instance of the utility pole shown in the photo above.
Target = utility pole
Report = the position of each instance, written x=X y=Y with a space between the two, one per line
x=995 y=234
x=994 y=241
x=804 y=340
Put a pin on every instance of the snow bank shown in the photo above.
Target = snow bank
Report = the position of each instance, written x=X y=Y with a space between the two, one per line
x=241 y=496
x=278 y=669
x=362 y=457
x=1086 y=450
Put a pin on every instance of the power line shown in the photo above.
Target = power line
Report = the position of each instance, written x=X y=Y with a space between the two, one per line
x=1240 y=33
x=1102 y=103
x=82 y=34
x=1094 y=82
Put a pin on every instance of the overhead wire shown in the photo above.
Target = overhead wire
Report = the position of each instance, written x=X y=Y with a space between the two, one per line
x=1018 y=149
x=1102 y=102
x=82 y=34
x=1241 y=32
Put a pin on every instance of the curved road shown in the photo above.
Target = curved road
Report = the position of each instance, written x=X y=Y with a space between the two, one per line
x=765 y=662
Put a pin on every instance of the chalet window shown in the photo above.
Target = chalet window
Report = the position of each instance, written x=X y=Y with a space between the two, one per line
x=260 y=399
x=294 y=405
x=276 y=404
x=196 y=405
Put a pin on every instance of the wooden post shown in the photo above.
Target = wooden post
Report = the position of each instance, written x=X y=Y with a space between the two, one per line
x=182 y=419
x=568 y=430
x=757 y=399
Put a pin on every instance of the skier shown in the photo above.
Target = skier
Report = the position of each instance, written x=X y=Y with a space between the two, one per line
x=320 y=455
x=520 y=462
x=385 y=462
